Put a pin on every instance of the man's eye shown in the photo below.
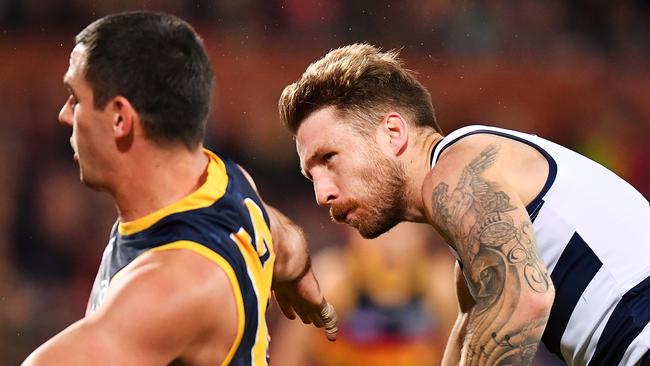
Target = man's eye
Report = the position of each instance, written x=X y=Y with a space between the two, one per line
x=328 y=157
x=72 y=101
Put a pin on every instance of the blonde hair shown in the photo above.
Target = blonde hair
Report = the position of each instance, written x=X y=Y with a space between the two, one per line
x=362 y=83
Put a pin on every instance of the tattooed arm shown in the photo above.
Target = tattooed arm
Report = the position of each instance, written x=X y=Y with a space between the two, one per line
x=483 y=218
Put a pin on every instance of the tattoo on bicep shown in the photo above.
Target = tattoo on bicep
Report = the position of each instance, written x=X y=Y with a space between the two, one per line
x=497 y=251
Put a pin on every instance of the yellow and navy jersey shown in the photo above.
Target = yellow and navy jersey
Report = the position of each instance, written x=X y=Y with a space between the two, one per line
x=225 y=221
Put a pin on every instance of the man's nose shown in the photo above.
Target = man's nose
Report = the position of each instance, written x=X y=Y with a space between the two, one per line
x=325 y=190
x=65 y=114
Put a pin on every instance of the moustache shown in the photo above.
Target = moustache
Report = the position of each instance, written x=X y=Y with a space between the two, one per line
x=338 y=212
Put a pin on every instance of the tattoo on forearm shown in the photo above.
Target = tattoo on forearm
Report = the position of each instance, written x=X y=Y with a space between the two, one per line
x=498 y=253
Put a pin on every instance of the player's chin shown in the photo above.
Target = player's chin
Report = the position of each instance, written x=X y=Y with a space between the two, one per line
x=379 y=224
x=370 y=230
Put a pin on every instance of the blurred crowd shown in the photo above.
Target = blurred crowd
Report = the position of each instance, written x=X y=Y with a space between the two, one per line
x=576 y=72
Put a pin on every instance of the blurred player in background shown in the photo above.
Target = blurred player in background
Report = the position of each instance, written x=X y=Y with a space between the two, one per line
x=390 y=312
x=186 y=277
x=550 y=245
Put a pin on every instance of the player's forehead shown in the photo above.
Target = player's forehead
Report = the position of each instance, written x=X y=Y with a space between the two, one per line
x=321 y=128
x=76 y=65
x=319 y=134
x=308 y=146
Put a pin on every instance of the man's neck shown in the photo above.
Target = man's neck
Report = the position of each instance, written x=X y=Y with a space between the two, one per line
x=157 y=178
x=417 y=166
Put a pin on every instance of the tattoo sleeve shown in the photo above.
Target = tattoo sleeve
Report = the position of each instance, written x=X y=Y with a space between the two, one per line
x=495 y=242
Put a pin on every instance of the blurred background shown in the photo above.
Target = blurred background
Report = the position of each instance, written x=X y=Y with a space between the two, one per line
x=575 y=71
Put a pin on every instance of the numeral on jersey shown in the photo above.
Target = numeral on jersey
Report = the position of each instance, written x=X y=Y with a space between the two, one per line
x=262 y=234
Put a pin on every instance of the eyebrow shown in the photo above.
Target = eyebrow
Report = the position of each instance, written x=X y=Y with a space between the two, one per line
x=310 y=162
x=304 y=172
x=69 y=87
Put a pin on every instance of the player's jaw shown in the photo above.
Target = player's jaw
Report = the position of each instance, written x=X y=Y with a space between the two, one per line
x=368 y=221
x=380 y=204
x=87 y=159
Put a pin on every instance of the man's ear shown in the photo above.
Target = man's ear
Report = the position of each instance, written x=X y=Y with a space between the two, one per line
x=395 y=129
x=124 y=117
x=124 y=121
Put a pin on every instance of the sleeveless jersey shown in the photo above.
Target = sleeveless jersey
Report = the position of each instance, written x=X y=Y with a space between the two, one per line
x=225 y=221
x=592 y=231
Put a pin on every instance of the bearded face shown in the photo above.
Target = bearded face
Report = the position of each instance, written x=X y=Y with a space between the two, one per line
x=379 y=194
x=363 y=185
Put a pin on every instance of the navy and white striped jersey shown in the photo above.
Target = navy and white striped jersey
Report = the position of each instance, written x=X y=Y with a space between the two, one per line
x=593 y=233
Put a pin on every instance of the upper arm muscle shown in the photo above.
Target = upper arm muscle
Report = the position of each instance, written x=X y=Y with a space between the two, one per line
x=487 y=224
x=152 y=315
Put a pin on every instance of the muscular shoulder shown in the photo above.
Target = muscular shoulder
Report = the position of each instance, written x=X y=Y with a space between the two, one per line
x=175 y=296
x=171 y=269
x=460 y=166
x=505 y=162
x=457 y=155
x=181 y=276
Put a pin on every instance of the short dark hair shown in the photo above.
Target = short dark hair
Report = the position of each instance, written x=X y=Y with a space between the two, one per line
x=159 y=63
x=361 y=82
